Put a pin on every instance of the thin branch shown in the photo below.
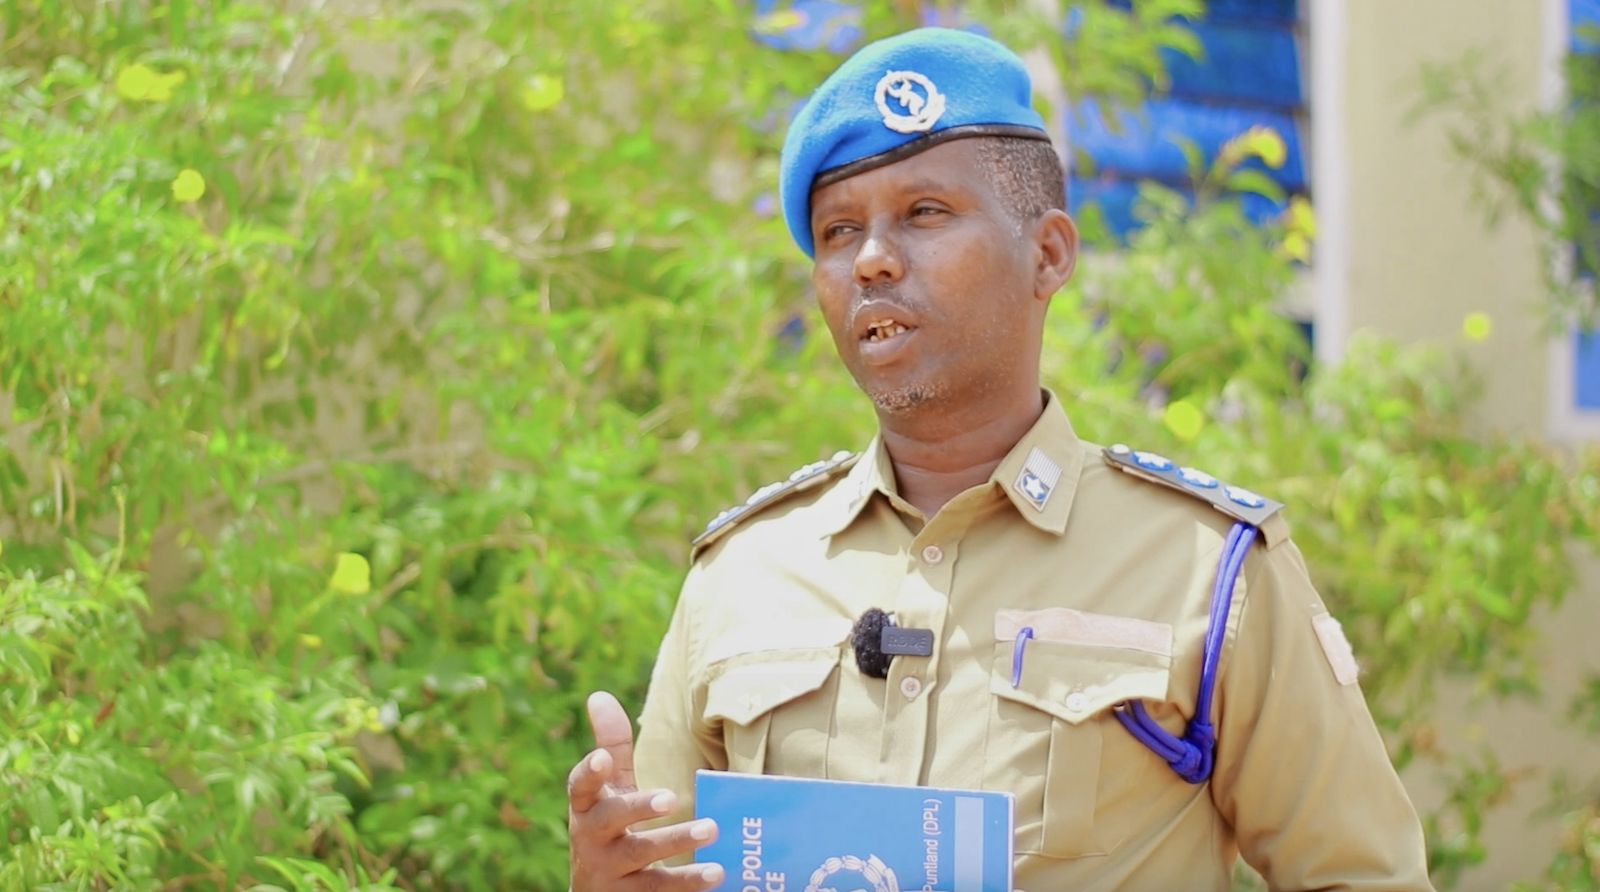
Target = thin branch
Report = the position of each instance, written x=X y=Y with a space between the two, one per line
x=402 y=579
x=292 y=54
x=311 y=469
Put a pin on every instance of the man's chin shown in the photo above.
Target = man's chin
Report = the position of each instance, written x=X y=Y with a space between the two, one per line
x=904 y=399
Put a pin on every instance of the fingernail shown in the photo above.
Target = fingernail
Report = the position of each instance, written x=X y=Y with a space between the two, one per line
x=712 y=874
x=594 y=761
x=661 y=803
x=703 y=830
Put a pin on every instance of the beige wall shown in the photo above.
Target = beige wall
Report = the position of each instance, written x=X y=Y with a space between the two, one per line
x=1415 y=257
x=1420 y=256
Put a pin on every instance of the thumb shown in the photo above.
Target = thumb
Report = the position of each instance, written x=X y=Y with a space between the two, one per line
x=613 y=732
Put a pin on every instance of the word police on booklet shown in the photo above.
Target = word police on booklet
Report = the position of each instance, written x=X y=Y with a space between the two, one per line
x=784 y=834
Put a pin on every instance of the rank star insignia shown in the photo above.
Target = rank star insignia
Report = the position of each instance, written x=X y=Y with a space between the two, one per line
x=1033 y=488
x=1038 y=478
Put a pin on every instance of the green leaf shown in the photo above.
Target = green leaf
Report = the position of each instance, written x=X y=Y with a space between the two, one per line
x=188 y=186
x=543 y=92
x=1256 y=182
x=1496 y=604
x=352 y=575
x=1184 y=419
x=1193 y=159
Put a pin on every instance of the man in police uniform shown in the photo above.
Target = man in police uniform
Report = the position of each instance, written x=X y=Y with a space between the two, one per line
x=1130 y=647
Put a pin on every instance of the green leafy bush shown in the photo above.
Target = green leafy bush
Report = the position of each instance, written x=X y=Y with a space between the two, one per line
x=117 y=767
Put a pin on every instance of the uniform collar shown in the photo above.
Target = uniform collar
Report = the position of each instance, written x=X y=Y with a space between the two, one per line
x=1039 y=475
x=874 y=473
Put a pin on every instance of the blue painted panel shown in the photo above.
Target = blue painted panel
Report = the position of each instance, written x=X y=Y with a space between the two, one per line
x=1145 y=148
x=1284 y=11
x=1242 y=63
x=1586 y=371
x=1260 y=209
x=1308 y=329
x=824 y=24
x=1584 y=16
x=1116 y=198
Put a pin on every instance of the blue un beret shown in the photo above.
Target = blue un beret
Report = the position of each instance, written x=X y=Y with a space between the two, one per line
x=897 y=97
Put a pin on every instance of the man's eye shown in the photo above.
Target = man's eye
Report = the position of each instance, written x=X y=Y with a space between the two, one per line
x=836 y=230
x=926 y=210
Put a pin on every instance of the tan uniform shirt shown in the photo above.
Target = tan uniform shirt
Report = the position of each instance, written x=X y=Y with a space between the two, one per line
x=1114 y=574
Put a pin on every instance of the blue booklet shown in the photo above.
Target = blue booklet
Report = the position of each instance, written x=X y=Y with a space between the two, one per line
x=786 y=834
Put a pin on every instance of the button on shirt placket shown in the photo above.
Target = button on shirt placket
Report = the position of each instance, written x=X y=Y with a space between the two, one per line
x=923 y=602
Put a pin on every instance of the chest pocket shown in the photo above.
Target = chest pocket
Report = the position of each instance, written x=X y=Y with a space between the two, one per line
x=795 y=688
x=1045 y=732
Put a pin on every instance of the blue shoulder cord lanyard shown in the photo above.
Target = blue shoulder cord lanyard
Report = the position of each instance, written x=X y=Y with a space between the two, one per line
x=1190 y=755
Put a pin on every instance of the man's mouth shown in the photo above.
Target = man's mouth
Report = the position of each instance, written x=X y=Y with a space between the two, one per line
x=883 y=330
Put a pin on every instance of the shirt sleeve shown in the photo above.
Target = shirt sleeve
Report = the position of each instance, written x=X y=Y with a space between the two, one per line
x=1301 y=772
x=674 y=741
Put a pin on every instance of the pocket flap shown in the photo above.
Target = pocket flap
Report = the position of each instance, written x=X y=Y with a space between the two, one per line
x=1067 y=626
x=1075 y=683
x=747 y=686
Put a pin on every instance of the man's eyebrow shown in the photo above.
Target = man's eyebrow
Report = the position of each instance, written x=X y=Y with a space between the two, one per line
x=927 y=184
x=919 y=185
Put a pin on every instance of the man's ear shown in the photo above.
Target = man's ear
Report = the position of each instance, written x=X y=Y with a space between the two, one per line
x=1056 y=238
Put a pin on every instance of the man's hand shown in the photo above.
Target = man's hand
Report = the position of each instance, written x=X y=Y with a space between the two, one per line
x=603 y=805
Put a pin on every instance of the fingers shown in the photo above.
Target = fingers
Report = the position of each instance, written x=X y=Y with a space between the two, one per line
x=586 y=782
x=611 y=764
x=678 y=839
x=613 y=732
x=613 y=815
x=688 y=878
x=636 y=851
x=605 y=802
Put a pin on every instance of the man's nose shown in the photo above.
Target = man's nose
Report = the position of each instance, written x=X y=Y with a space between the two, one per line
x=879 y=260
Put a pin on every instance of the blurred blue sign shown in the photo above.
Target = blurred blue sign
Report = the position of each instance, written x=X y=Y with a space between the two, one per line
x=1584 y=21
x=1586 y=371
x=1584 y=16
x=1144 y=143
x=1283 y=12
x=1248 y=75
x=1251 y=63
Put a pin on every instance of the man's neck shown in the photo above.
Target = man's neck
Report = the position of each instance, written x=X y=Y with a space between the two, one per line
x=938 y=454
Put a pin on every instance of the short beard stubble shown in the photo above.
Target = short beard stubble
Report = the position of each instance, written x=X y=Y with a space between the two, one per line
x=906 y=399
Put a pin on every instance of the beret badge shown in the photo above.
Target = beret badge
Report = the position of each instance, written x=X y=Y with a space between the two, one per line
x=921 y=111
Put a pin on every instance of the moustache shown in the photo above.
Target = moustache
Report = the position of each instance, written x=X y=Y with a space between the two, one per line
x=885 y=294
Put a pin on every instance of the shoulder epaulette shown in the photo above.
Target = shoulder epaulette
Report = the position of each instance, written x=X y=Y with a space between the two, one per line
x=1235 y=501
x=807 y=477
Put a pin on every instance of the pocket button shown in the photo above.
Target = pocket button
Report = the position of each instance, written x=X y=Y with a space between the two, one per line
x=1078 y=701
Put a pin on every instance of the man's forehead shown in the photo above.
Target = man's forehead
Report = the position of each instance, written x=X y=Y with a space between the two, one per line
x=895 y=100
x=944 y=169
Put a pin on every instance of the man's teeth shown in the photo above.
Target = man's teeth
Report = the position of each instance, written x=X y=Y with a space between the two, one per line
x=882 y=331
